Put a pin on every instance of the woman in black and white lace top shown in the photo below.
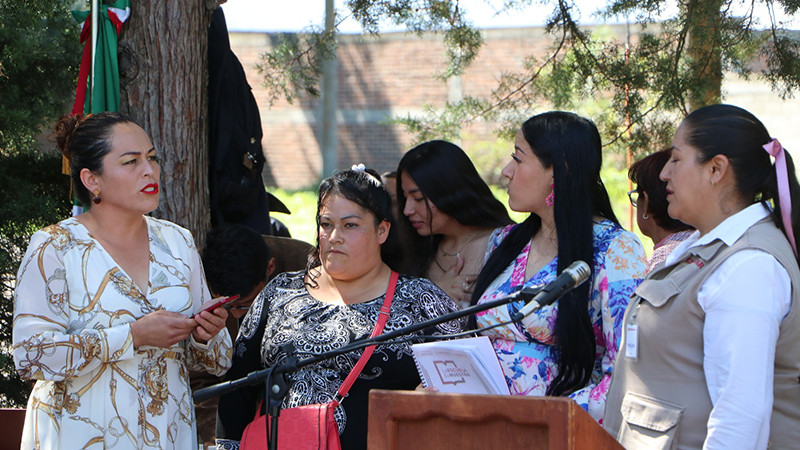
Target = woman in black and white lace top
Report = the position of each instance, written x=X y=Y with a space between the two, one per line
x=334 y=302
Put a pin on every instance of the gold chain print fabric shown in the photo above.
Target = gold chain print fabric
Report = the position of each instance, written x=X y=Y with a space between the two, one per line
x=73 y=308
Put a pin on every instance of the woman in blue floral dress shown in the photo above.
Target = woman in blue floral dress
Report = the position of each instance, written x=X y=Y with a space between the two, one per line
x=569 y=347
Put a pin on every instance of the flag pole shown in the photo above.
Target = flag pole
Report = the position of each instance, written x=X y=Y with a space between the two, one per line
x=95 y=19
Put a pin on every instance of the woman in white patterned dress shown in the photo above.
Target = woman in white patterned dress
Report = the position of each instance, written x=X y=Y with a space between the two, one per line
x=104 y=305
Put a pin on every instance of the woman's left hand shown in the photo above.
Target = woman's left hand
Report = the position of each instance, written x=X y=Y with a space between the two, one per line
x=209 y=324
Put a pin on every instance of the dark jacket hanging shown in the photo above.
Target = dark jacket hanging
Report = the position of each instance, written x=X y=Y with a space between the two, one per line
x=236 y=158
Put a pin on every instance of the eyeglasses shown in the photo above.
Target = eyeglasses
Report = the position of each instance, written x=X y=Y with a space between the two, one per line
x=633 y=196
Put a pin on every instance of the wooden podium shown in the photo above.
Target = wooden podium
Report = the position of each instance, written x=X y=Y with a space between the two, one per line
x=402 y=420
x=11 y=423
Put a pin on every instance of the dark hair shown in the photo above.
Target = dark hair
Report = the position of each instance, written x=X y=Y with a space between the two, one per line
x=235 y=259
x=364 y=188
x=84 y=141
x=445 y=176
x=645 y=173
x=734 y=132
x=570 y=144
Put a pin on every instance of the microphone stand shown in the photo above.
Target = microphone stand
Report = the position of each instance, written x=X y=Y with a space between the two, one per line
x=275 y=376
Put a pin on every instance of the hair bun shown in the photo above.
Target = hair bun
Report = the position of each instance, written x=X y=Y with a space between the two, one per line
x=372 y=175
x=64 y=129
x=375 y=175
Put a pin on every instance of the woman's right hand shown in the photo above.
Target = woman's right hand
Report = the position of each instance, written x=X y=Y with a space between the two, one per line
x=457 y=285
x=161 y=328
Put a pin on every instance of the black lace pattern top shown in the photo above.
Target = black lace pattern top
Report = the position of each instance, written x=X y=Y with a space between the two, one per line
x=285 y=313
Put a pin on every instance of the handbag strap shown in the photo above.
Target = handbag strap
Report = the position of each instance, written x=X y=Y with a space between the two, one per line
x=383 y=317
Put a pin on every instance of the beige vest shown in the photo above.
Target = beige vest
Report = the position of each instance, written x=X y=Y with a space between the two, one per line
x=660 y=399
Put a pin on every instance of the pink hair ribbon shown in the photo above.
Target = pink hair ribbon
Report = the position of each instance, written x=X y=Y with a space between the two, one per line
x=775 y=149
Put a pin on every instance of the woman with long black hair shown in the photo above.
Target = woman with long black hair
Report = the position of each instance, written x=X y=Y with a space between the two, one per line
x=447 y=213
x=567 y=348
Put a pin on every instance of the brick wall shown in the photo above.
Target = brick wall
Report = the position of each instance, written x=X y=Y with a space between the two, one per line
x=377 y=79
x=393 y=76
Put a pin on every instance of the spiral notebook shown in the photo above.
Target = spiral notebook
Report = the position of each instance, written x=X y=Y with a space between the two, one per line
x=464 y=366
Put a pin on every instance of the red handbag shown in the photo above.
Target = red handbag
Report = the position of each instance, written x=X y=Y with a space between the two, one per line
x=303 y=427
x=313 y=426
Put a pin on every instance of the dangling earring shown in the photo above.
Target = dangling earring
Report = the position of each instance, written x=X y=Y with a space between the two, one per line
x=96 y=199
x=551 y=198
x=645 y=216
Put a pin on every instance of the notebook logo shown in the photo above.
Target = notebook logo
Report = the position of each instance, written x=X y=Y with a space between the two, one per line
x=450 y=373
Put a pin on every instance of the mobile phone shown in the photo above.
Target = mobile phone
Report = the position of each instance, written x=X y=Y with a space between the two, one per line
x=225 y=303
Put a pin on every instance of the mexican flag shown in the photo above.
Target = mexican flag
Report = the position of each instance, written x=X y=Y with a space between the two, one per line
x=101 y=79
x=98 y=79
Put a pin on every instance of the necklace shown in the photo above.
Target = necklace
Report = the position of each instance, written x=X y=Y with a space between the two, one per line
x=444 y=253
x=439 y=265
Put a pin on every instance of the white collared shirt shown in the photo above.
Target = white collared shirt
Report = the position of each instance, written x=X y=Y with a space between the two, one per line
x=745 y=300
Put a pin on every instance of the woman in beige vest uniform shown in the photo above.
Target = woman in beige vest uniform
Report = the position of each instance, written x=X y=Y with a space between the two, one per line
x=710 y=355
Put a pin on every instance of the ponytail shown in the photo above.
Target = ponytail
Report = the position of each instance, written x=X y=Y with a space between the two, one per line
x=783 y=188
x=736 y=133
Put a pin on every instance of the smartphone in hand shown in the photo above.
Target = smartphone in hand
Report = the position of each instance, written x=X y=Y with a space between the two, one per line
x=224 y=303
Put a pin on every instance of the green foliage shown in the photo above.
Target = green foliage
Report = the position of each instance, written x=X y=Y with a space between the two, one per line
x=645 y=86
x=489 y=157
x=39 y=58
x=783 y=62
x=35 y=194
x=462 y=43
x=294 y=64
x=303 y=205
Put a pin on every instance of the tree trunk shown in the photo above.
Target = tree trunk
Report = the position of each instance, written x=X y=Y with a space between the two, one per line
x=704 y=21
x=163 y=85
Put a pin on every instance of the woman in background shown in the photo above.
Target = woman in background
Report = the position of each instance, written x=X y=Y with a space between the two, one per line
x=569 y=347
x=712 y=336
x=650 y=200
x=332 y=303
x=448 y=213
x=106 y=305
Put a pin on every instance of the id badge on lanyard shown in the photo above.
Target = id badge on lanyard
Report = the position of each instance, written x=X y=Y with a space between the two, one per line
x=632 y=334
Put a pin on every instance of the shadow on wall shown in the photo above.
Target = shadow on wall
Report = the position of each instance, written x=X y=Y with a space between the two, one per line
x=293 y=132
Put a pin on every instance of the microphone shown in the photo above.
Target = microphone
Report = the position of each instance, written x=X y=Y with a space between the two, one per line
x=570 y=278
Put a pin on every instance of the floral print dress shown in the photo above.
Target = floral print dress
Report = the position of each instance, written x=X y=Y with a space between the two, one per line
x=527 y=351
x=73 y=307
